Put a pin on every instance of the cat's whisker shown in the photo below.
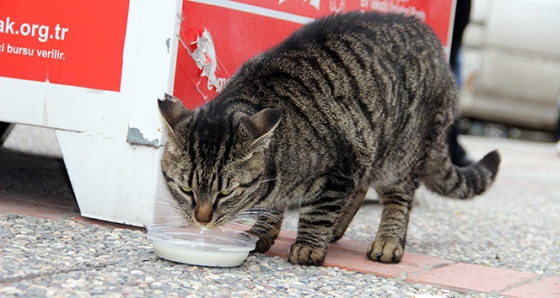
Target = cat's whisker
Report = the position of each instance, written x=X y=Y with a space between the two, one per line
x=246 y=217
x=241 y=226
x=268 y=210
x=263 y=225
x=168 y=204
x=268 y=213
x=250 y=218
x=166 y=209
x=241 y=222
x=255 y=218
x=159 y=203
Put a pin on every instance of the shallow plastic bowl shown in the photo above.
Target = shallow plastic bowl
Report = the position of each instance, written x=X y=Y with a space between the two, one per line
x=220 y=247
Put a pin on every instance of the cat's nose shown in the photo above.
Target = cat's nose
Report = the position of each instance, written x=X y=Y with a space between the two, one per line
x=203 y=221
x=203 y=214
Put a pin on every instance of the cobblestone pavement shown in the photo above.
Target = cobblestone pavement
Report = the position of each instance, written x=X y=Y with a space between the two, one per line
x=514 y=226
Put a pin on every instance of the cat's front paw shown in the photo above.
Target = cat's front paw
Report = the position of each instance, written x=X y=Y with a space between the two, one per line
x=302 y=254
x=266 y=239
x=386 y=249
x=264 y=244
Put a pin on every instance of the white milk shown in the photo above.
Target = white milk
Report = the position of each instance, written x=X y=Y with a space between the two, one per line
x=199 y=256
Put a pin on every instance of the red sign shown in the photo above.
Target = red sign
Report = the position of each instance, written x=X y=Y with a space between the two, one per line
x=435 y=13
x=217 y=36
x=214 y=42
x=78 y=43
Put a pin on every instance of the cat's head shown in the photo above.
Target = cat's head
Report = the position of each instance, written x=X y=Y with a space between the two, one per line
x=215 y=164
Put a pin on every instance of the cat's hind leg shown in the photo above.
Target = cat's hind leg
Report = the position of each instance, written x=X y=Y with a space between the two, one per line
x=348 y=214
x=267 y=228
x=388 y=246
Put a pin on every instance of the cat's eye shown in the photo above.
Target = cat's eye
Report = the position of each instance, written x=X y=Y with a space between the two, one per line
x=187 y=190
x=225 y=193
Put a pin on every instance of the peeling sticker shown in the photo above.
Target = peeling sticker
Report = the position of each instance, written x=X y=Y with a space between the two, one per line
x=314 y=3
x=199 y=44
x=135 y=136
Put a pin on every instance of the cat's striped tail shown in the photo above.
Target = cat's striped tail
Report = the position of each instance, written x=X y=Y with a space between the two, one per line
x=442 y=177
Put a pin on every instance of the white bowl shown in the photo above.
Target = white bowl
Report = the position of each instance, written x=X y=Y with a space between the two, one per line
x=219 y=247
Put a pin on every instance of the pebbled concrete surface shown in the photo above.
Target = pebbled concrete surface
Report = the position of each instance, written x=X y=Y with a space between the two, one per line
x=514 y=226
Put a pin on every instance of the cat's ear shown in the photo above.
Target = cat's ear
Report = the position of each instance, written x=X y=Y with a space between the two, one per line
x=172 y=110
x=261 y=124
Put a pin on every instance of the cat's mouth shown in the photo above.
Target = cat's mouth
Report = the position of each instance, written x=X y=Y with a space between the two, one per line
x=243 y=218
x=203 y=224
x=206 y=219
x=202 y=220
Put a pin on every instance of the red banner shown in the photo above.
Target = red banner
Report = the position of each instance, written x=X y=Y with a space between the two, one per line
x=69 y=42
x=217 y=36
x=435 y=13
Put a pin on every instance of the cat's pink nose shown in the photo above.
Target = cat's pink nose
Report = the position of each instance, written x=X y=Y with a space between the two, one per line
x=203 y=214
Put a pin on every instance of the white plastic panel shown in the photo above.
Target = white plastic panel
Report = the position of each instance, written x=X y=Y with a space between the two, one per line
x=526 y=25
x=529 y=78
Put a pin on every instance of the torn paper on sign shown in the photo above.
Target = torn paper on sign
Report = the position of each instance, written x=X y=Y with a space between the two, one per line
x=203 y=52
x=314 y=3
x=394 y=6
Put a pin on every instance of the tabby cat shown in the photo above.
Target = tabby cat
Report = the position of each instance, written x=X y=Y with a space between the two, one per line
x=347 y=102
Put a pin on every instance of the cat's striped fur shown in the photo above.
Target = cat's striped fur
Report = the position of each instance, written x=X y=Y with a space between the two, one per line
x=347 y=102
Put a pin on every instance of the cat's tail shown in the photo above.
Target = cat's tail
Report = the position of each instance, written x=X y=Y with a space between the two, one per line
x=446 y=179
